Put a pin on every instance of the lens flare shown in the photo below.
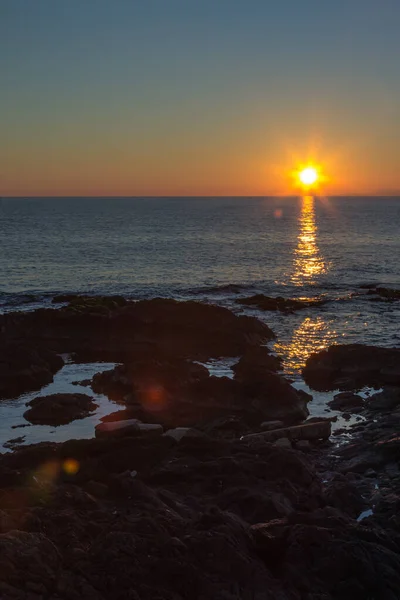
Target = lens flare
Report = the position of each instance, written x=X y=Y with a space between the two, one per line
x=71 y=466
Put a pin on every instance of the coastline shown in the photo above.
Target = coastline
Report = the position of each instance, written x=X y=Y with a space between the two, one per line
x=218 y=492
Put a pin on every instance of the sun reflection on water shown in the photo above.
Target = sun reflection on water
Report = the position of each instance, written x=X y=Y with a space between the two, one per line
x=308 y=261
x=313 y=334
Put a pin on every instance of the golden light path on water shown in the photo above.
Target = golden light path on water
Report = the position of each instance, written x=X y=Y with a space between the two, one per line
x=314 y=333
x=308 y=261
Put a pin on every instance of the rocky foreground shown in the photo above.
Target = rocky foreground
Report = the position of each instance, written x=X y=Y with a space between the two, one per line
x=198 y=487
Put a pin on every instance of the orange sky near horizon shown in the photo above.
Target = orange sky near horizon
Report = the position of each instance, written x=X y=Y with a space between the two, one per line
x=198 y=99
x=240 y=169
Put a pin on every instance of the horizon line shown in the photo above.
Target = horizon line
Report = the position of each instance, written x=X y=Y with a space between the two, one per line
x=151 y=196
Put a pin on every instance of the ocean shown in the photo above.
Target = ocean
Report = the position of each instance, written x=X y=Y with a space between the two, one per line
x=214 y=249
x=208 y=249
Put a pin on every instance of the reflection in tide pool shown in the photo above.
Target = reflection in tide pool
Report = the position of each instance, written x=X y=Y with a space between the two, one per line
x=313 y=334
x=308 y=261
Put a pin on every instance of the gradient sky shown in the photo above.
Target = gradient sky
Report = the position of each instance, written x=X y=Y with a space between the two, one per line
x=197 y=97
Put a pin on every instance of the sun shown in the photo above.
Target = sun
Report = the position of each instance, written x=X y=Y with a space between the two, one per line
x=308 y=176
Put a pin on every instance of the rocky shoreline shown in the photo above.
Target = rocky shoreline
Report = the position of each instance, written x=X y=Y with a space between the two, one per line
x=198 y=486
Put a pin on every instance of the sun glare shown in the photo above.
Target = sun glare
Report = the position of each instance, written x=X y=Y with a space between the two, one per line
x=308 y=176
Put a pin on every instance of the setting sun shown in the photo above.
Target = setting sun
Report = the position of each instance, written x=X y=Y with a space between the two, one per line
x=308 y=176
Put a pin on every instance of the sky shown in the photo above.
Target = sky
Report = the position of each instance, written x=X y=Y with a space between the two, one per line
x=198 y=97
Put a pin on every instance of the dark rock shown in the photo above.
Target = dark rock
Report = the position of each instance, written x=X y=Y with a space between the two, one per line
x=270 y=393
x=81 y=302
x=25 y=367
x=269 y=425
x=386 y=293
x=180 y=393
x=286 y=305
x=104 y=329
x=83 y=382
x=308 y=431
x=304 y=395
x=346 y=401
x=365 y=365
x=255 y=360
x=127 y=427
x=388 y=399
x=303 y=445
x=59 y=409
x=179 y=433
x=28 y=557
x=14 y=442
x=344 y=496
x=96 y=488
x=283 y=442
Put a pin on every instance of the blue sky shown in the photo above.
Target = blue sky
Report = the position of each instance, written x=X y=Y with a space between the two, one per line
x=197 y=96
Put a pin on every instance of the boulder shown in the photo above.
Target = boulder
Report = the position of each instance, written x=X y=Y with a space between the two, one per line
x=387 y=399
x=256 y=359
x=346 y=401
x=59 y=409
x=364 y=365
x=272 y=395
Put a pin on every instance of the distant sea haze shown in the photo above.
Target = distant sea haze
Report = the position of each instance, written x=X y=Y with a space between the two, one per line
x=217 y=249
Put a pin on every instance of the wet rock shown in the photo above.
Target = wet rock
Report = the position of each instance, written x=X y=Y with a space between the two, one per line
x=304 y=395
x=104 y=329
x=14 y=442
x=270 y=393
x=180 y=393
x=388 y=399
x=365 y=365
x=82 y=302
x=346 y=401
x=286 y=305
x=25 y=367
x=255 y=360
x=83 y=382
x=389 y=294
x=59 y=409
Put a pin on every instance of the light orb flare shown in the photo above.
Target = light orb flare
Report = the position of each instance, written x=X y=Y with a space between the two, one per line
x=308 y=176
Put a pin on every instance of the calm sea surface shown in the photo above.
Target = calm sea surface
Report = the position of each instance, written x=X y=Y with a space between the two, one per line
x=204 y=248
x=210 y=249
